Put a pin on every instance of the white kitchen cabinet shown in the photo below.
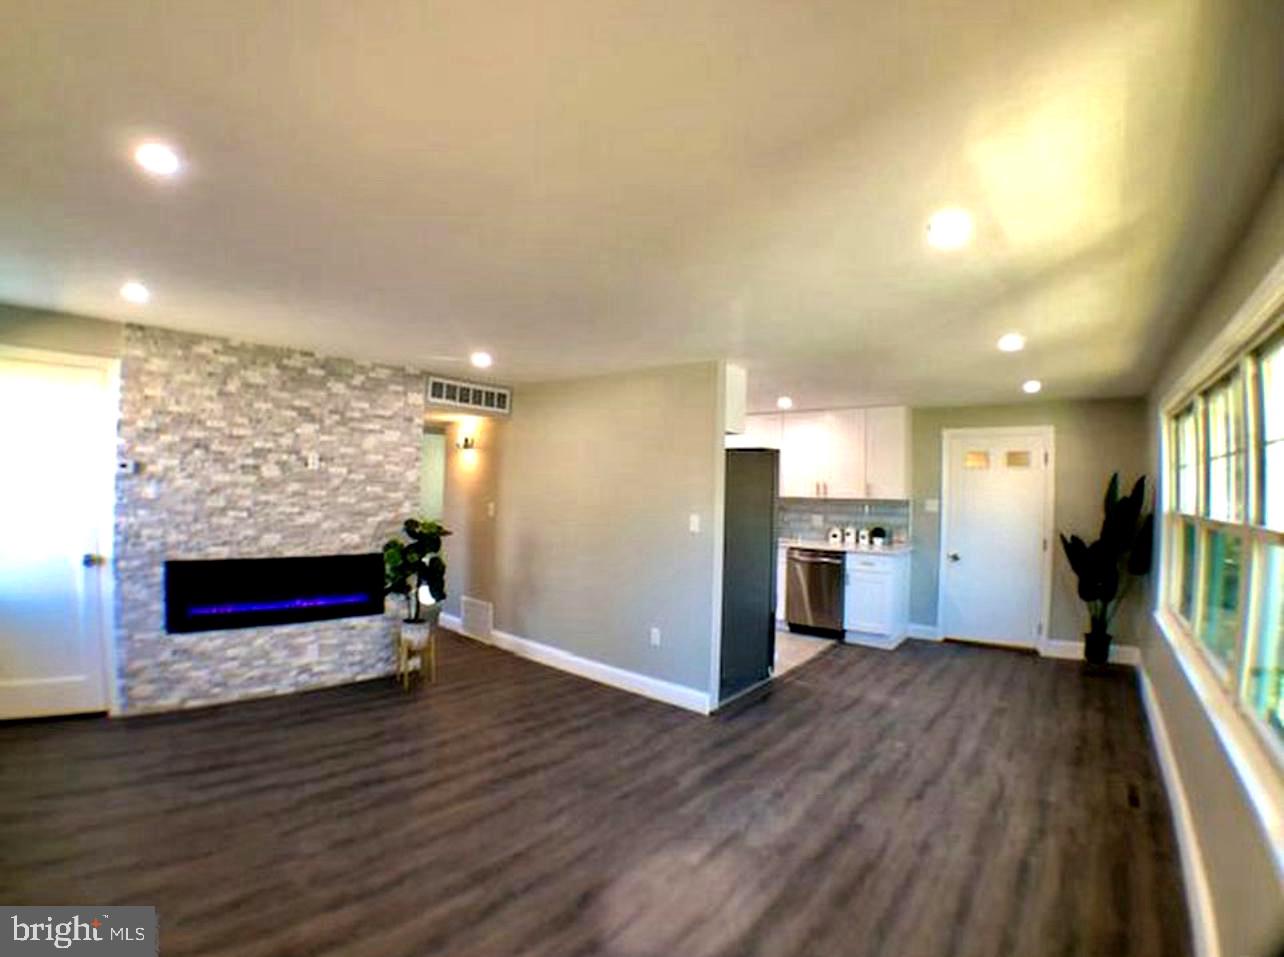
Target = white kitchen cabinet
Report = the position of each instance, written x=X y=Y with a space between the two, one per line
x=822 y=454
x=845 y=453
x=887 y=452
x=843 y=475
x=876 y=599
x=736 y=383
x=761 y=432
x=804 y=453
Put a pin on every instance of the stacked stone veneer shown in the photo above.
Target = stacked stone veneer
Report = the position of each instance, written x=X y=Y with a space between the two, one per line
x=222 y=432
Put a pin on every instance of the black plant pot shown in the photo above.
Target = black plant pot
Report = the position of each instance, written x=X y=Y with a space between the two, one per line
x=1096 y=647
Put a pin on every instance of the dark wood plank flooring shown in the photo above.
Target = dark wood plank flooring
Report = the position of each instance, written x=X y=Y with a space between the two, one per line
x=936 y=800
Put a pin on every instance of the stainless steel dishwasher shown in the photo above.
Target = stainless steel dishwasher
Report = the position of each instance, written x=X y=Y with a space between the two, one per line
x=814 y=590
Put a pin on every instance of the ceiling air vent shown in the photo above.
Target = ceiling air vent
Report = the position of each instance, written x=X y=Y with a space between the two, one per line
x=469 y=395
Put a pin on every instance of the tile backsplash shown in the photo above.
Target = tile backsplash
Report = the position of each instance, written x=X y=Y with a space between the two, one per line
x=811 y=518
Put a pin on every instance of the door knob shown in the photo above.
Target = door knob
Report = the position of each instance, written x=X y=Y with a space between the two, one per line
x=92 y=560
x=953 y=556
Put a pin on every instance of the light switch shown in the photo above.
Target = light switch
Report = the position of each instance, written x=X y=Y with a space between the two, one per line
x=931 y=505
x=490 y=509
x=693 y=523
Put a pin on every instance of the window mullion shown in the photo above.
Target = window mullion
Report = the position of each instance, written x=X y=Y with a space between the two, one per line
x=1201 y=456
x=1252 y=438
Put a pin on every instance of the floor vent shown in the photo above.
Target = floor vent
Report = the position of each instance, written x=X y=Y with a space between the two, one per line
x=469 y=395
x=478 y=617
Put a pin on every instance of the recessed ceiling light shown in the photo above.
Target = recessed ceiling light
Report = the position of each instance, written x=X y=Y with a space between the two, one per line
x=949 y=228
x=1011 y=342
x=159 y=159
x=1031 y=386
x=135 y=292
x=784 y=402
x=482 y=360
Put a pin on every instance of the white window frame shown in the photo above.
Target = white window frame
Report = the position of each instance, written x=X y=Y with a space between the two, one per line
x=1255 y=751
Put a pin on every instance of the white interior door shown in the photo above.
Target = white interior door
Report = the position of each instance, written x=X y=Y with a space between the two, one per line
x=57 y=429
x=995 y=531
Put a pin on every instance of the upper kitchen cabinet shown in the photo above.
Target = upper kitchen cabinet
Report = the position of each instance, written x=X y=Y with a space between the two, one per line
x=822 y=454
x=804 y=451
x=760 y=432
x=887 y=452
x=843 y=453
x=843 y=475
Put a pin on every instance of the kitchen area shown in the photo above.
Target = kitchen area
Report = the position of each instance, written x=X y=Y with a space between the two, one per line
x=842 y=525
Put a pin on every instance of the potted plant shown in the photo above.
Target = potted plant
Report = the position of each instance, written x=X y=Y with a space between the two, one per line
x=1107 y=568
x=411 y=567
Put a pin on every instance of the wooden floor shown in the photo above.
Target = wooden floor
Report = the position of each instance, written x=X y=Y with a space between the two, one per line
x=935 y=800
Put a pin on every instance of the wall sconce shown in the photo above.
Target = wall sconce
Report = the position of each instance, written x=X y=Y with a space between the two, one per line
x=466 y=443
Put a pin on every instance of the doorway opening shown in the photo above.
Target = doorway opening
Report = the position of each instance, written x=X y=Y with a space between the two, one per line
x=432 y=473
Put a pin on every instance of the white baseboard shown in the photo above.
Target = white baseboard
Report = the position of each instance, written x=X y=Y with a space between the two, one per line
x=1063 y=648
x=1199 y=899
x=923 y=632
x=679 y=695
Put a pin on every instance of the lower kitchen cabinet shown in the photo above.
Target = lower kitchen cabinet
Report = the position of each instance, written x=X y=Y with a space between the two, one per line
x=876 y=599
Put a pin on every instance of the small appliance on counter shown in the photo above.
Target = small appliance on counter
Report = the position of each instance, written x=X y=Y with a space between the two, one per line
x=835 y=536
x=877 y=537
x=849 y=537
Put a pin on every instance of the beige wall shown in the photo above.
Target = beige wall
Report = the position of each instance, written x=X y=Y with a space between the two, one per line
x=1093 y=439
x=596 y=480
x=38 y=329
x=1247 y=890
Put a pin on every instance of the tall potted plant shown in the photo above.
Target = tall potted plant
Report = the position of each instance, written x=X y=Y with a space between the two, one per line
x=415 y=564
x=1107 y=568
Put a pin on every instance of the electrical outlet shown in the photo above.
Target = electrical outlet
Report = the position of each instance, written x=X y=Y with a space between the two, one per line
x=655 y=637
x=693 y=523
x=931 y=505
x=490 y=509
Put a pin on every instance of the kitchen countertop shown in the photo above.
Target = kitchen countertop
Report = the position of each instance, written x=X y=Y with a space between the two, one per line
x=824 y=546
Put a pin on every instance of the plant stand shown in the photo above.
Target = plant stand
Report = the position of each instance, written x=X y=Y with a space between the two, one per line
x=417 y=647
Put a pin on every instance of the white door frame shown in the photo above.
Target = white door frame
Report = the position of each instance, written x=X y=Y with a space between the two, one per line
x=1038 y=641
x=107 y=523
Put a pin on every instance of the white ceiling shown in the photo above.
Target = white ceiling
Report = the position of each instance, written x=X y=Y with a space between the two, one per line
x=581 y=186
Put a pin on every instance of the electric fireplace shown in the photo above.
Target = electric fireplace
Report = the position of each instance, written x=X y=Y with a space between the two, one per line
x=243 y=592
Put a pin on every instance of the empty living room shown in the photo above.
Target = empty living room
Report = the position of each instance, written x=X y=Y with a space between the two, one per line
x=642 y=479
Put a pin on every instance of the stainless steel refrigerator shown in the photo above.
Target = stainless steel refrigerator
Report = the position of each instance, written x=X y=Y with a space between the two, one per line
x=749 y=570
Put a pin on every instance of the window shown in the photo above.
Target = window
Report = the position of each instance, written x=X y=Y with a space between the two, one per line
x=1224 y=530
x=1271 y=379
x=1186 y=461
x=1265 y=690
x=1225 y=406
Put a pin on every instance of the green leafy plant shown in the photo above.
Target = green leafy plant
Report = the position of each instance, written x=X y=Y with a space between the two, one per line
x=1107 y=567
x=408 y=565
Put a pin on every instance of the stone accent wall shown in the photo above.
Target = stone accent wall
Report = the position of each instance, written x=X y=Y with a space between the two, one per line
x=222 y=432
